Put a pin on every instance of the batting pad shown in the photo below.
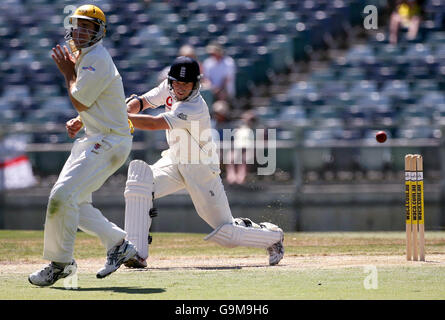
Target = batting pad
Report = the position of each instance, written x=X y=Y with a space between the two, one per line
x=138 y=202
x=232 y=235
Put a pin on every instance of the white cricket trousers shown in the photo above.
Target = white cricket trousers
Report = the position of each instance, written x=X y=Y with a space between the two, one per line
x=92 y=161
x=202 y=183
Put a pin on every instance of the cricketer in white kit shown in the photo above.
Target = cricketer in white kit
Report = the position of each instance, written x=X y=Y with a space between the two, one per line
x=190 y=163
x=96 y=91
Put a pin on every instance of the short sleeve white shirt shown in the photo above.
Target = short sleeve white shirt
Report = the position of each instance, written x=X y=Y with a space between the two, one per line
x=219 y=71
x=190 y=134
x=99 y=87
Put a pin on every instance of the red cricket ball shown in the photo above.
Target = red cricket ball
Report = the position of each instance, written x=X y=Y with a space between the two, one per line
x=381 y=136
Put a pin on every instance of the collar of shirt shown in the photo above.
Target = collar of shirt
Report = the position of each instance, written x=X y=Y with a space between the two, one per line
x=86 y=50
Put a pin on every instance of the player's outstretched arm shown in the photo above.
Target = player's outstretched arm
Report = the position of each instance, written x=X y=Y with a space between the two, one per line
x=136 y=104
x=133 y=105
x=147 y=122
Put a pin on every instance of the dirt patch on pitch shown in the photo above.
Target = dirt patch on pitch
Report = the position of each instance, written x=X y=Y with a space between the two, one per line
x=205 y=263
x=291 y=262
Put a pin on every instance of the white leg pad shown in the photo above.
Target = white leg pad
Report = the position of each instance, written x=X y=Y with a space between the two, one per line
x=231 y=235
x=138 y=202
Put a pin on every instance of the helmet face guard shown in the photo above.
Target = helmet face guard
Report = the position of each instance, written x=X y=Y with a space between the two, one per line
x=78 y=37
x=185 y=69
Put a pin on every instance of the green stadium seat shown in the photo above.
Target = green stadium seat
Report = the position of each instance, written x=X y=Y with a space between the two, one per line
x=41 y=116
x=326 y=116
x=352 y=74
x=388 y=52
x=363 y=87
x=417 y=51
x=267 y=112
x=431 y=99
x=245 y=69
x=436 y=37
x=425 y=85
x=302 y=88
x=281 y=49
x=416 y=114
x=356 y=117
x=359 y=52
x=57 y=104
x=5 y=105
x=439 y=114
x=396 y=88
x=342 y=99
x=10 y=116
x=293 y=115
x=323 y=75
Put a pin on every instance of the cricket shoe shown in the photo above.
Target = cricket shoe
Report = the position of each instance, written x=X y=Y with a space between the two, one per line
x=115 y=257
x=136 y=262
x=51 y=273
x=276 y=251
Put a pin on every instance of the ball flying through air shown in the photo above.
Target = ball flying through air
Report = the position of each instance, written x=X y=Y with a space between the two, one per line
x=381 y=136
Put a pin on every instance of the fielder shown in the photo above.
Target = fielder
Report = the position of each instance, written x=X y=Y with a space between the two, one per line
x=96 y=92
x=190 y=163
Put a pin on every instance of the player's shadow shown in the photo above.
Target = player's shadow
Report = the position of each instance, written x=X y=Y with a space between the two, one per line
x=129 y=290
x=197 y=268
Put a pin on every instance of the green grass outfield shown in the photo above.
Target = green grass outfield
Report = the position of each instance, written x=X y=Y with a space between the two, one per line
x=184 y=267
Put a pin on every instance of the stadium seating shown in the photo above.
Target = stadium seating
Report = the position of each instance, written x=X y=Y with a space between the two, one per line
x=144 y=37
x=374 y=85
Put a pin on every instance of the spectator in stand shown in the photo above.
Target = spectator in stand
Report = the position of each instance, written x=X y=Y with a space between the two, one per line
x=221 y=116
x=243 y=154
x=219 y=70
x=407 y=13
x=220 y=120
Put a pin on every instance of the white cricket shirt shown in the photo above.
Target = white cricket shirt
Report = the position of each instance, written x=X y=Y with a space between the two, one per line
x=99 y=87
x=190 y=134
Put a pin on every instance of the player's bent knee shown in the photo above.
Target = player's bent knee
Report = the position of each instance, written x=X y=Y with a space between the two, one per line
x=231 y=235
x=59 y=201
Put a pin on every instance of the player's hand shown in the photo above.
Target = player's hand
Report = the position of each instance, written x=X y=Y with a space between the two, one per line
x=133 y=106
x=73 y=126
x=129 y=98
x=64 y=60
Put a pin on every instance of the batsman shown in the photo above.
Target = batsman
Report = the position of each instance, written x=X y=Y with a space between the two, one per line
x=190 y=163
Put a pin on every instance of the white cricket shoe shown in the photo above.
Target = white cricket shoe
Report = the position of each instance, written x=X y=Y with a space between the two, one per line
x=115 y=257
x=51 y=273
x=276 y=251
x=136 y=262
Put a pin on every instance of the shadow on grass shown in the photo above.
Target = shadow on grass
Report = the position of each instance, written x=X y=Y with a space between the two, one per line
x=196 y=268
x=129 y=290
